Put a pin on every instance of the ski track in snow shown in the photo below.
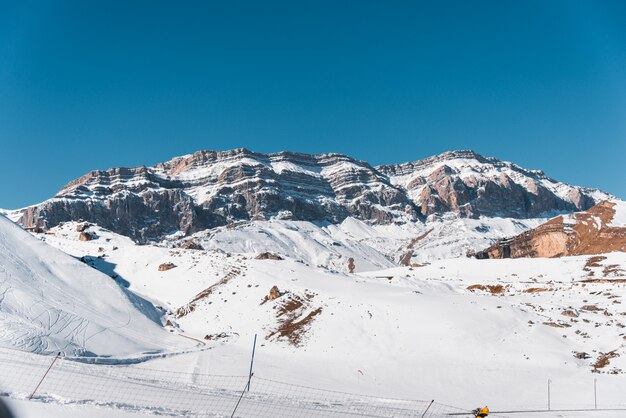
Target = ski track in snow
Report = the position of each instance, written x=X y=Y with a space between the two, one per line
x=51 y=302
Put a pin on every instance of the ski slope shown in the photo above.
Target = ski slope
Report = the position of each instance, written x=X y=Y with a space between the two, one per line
x=50 y=302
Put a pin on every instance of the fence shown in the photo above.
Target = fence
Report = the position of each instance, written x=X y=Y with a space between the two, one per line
x=194 y=395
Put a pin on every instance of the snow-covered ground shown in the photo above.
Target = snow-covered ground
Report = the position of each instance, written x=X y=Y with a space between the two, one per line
x=25 y=409
x=372 y=247
x=51 y=302
x=28 y=409
x=464 y=332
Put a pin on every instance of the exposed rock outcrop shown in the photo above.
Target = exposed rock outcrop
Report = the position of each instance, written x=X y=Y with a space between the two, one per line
x=82 y=227
x=471 y=185
x=268 y=256
x=405 y=260
x=190 y=244
x=85 y=236
x=212 y=188
x=274 y=293
x=351 y=265
x=295 y=315
x=166 y=266
x=595 y=231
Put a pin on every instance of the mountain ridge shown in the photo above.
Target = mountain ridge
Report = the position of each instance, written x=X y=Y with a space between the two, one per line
x=207 y=189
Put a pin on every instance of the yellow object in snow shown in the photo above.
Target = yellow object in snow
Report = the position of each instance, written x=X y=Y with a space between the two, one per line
x=482 y=412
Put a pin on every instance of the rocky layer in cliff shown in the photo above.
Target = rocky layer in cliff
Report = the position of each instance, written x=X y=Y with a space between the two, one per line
x=472 y=185
x=213 y=188
x=599 y=230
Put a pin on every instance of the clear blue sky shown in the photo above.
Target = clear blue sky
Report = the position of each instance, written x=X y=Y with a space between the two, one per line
x=96 y=84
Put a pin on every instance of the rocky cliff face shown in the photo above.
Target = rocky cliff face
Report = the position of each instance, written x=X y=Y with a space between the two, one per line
x=601 y=229
x=472 y=185
x=212 y=188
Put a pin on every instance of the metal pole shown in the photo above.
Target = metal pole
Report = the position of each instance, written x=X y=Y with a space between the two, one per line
x=427 y=408
x=238 y=401
x=251 y=363
x=44 y=376
x=549 y=381
x=595 y=393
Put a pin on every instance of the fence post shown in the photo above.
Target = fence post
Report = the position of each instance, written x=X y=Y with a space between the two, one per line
x=427 y=408
x=44 y=376
x=243 y=392
x=549 y=381
x=595 y=393
x=251 y=363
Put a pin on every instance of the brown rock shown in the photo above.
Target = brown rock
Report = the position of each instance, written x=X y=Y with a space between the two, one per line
x=166 y=266
x=406 y=258
x=190 y=244
x=496 y=289
x=536 y=290
x=82 y=227
x=578 y=235
x=604 y=360
x=570 y=313
x=268 y=256
x=351 y=265
x=85 y=236
x=274 y=293
x=294 y=315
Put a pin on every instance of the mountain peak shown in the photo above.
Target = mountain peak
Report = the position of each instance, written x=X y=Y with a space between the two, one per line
x=213 y=188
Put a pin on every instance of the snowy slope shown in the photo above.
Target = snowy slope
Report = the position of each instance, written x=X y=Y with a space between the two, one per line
x=51 y=302
x=454 y=330
x=317 y=245
x=371 y=247
x=619 y=218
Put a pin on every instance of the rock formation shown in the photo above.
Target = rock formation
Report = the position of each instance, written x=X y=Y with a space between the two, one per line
x=212 y=188
x=268 y=256
x=274 y=293
x=595 y=231
x=351 y=265
x=85 y=236
x=166 y=266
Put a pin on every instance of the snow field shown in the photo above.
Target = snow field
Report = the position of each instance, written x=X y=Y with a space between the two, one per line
x=462 y=331
x=401 y=332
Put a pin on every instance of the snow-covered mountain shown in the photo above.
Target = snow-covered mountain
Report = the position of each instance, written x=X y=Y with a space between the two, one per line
x=470 y=184
x=353 y=277
x=50 y=302
x=210 y=189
